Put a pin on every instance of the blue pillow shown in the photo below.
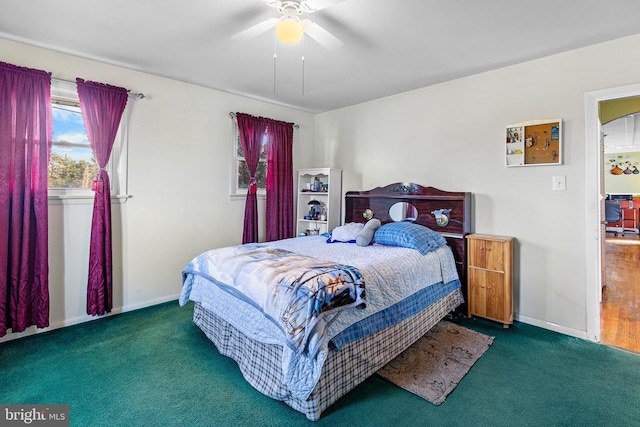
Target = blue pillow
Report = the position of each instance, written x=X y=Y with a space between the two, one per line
x=409 y=235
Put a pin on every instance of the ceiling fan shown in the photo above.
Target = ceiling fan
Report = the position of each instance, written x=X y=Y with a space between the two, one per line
x=289 y=28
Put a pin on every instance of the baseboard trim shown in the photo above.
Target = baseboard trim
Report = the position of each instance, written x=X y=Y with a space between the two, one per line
x=552 y=326
x=118 y=310
x=32 y=330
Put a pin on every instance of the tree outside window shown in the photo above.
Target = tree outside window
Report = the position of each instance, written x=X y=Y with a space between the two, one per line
x=72 y=165
x=243 y=170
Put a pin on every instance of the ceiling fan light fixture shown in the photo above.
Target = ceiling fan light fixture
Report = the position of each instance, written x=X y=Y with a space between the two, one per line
x=289 y=30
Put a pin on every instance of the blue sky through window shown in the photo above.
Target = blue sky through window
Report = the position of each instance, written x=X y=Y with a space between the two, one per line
x=68 y=126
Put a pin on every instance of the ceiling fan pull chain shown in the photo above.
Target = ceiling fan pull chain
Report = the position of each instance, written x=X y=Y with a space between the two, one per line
x=275 y=59
x=303 y=45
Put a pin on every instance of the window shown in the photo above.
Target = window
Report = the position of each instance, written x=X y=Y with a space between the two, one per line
x=72 y=166
x=241 y=171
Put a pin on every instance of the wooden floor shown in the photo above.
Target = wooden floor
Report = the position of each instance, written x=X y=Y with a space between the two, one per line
x=620 y=308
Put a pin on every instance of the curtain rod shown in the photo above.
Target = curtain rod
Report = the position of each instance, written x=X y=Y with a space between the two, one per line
x=133 y=94
x=233 y=115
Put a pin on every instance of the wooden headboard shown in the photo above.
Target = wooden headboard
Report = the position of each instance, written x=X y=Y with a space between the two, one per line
x=426 y=200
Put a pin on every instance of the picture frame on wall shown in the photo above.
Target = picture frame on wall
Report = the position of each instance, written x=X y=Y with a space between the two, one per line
x=534 y=143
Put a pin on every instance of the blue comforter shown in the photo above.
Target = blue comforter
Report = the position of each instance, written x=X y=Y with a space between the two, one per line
x=292 y=290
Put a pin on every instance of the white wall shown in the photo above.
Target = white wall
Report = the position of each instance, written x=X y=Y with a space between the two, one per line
x=451 y=136
x=179 y=173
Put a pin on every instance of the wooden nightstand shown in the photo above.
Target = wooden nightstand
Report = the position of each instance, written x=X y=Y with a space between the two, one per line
x=490 y=277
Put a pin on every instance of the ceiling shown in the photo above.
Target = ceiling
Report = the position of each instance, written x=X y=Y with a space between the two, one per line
x=622 y=135
x=389 y=46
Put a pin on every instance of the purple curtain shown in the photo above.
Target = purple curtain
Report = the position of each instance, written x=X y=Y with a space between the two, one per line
x=252 y=131
x=412 y=212
x=102 y=107
x=279 y=204
x=25 y=143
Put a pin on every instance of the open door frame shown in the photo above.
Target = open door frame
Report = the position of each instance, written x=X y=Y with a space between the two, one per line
x=594 y=233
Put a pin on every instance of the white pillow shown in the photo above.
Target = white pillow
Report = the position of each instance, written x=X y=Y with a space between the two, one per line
x=345 y=233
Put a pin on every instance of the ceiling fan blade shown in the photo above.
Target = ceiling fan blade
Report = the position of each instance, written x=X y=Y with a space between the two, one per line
x=255 y=30
x=316 y=5
x=322 y=36
x=272 y=3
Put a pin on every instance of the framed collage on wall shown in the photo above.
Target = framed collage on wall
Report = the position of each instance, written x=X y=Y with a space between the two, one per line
x=534 y=143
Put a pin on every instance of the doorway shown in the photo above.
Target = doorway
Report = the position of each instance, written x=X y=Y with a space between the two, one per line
x=595 y=233
x=620 y=307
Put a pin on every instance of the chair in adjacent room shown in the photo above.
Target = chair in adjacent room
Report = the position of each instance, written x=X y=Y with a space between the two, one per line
x=613 y=215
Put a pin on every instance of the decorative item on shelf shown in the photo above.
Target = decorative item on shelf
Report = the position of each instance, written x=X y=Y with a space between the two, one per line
x=317 y=212
x=367 y=214
x=314 y=210
x=314 y=213
x=322 y=216
x=442 y=216
x=316 y=185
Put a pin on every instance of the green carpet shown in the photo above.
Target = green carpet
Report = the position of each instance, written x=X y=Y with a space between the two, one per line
x=154 y=367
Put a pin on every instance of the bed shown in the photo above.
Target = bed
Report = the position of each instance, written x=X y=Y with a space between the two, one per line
x=311 y=368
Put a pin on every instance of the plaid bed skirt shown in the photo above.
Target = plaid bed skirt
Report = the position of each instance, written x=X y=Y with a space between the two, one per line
x=343 y=370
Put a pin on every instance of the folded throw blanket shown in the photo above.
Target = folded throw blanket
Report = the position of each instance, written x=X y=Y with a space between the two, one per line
x=301 y=294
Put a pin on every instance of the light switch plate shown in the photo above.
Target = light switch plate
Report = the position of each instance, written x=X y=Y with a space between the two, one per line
x=559 y=183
